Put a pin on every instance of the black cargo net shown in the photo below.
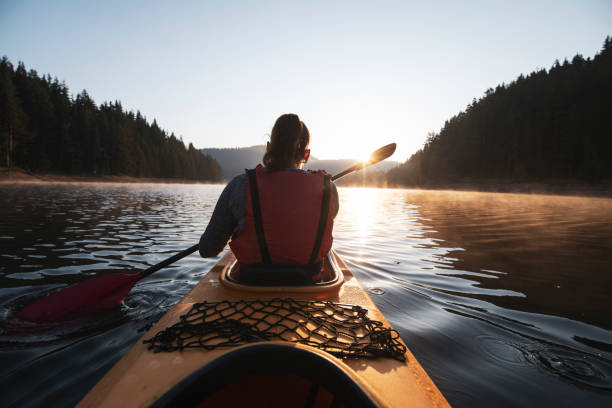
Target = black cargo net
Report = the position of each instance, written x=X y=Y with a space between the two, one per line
x=341 y=330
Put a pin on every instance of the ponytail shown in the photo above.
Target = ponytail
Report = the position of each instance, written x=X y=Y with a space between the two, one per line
x=288 y=143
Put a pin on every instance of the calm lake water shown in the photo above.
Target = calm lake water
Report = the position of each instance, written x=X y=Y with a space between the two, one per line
x=504 y=299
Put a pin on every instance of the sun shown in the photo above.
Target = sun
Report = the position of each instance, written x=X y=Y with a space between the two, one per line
x=364 y=156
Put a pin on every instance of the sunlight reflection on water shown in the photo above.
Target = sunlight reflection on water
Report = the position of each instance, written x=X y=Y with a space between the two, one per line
x=498 y=295
x=528 y=273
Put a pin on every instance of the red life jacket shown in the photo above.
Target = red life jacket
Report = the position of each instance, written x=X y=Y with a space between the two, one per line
x=292 y=211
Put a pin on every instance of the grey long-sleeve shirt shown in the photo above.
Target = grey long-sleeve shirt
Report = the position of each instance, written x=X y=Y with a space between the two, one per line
x=228 y=217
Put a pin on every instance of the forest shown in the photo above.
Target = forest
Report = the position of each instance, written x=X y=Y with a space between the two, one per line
x=45 y=130
x=549 y=126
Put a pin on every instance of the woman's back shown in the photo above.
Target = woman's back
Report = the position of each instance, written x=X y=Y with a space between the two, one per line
x=277 y=214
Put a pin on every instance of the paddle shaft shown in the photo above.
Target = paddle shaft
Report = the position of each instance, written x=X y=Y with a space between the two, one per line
x=168 y=261
x=344 y=173
x=195 y=247
x=108 y=290
x=377 y=156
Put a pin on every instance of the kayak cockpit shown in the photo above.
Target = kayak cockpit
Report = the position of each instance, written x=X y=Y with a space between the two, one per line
x=270 y=375
x=332 y=282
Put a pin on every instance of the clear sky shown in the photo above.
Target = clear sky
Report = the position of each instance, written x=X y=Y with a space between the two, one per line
x=360 y=74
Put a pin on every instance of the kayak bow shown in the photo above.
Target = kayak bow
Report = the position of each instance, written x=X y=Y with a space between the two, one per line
x=268 y=373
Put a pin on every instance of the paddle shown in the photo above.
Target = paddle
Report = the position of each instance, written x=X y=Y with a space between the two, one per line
x=106 y=291
x=101 y=292
x=376 y=156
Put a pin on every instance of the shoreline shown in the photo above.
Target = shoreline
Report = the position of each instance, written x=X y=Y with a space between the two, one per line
x=564 y=188
x=561 y=188
x=19 y=176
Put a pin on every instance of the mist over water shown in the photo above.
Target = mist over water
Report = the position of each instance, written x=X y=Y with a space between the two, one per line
x=503 y=298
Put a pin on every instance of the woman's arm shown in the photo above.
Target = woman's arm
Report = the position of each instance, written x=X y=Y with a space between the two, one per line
x=225 y=218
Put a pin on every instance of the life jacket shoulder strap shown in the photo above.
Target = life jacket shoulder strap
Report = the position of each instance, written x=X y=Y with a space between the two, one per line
x=261 y=238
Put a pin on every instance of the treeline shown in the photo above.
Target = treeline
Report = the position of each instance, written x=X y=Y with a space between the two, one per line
x=43 y=129
x=549 y=126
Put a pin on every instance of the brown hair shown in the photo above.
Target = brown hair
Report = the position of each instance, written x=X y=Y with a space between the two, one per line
x=288 y=142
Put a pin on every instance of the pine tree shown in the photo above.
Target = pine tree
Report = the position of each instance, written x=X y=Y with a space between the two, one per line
x=12 y=117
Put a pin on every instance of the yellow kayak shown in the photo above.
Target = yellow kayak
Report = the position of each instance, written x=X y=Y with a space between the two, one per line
x=300 y=363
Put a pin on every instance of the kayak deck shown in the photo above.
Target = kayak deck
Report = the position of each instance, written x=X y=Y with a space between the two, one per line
x=141 y=377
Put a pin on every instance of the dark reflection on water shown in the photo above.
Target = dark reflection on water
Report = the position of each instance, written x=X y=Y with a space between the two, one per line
x=55 y=235
x=502 y=298
x=554 y=250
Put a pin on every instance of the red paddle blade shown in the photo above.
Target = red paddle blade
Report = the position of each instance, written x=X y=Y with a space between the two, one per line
x=101 y=292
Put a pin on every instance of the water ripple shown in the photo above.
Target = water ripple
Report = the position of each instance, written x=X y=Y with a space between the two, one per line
x=499 y=296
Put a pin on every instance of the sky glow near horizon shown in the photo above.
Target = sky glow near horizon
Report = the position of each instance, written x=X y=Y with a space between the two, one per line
x=359 y=74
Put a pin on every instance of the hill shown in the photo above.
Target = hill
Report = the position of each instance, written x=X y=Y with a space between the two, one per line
x=549 y=127
x=233 y=161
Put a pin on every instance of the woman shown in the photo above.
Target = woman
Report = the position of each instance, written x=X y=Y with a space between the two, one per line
x=278 y=216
